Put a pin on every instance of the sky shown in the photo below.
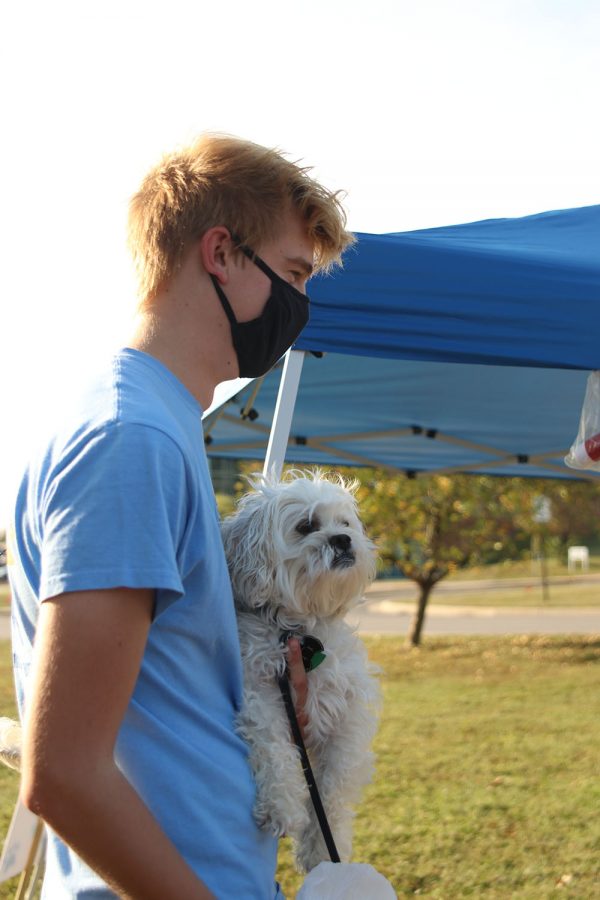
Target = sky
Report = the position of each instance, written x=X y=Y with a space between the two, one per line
x=426 y=113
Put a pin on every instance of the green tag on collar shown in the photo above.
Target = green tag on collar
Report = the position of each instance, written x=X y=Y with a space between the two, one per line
x=316 y=660
x=313 y=651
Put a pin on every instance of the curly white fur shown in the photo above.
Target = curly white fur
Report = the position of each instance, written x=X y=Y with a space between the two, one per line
x=299 y=560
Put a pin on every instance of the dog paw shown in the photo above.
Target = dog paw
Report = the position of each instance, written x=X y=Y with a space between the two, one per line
x=281 y=822
x=274 y=828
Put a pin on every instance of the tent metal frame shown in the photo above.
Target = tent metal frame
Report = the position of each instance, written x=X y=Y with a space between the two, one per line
x=277 y=438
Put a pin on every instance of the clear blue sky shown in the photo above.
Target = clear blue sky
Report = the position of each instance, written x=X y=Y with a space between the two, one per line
x=426 y=113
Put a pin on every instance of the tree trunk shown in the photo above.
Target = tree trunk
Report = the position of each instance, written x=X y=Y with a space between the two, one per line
x=413 y=638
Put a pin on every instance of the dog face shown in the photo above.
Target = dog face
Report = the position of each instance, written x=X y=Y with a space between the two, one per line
x=297 y=549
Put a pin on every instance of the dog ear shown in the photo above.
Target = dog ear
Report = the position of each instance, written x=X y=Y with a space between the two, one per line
x=247 y=539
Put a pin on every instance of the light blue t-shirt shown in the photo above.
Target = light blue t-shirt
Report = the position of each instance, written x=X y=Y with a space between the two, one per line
x=122 y=497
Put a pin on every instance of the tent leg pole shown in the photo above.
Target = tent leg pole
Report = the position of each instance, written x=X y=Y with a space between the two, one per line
x=32 y=860
x=284 y=410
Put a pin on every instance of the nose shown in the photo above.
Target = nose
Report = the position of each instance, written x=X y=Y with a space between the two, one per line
x=340 y=542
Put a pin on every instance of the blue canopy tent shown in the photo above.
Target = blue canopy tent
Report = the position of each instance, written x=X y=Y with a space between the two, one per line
x=463 y=348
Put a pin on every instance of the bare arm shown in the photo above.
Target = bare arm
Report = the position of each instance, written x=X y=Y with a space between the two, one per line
x=299 y=682
x=88 y=652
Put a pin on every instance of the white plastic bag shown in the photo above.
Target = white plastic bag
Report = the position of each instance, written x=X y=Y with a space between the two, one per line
x=585 y=451
x=345 y=881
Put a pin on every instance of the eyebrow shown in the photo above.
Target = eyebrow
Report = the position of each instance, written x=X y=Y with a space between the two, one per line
x=302 y=263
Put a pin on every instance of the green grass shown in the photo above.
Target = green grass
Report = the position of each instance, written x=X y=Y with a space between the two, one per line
x=488 y=776
x=488 y=771
x=557 y=595
x=504 y=593
x=522 y=568
x=8 y=778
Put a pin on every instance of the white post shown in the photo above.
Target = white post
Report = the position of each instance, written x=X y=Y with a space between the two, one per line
x=284 y=410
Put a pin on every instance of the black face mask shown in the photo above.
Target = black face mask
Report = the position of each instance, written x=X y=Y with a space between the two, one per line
x=261 y=342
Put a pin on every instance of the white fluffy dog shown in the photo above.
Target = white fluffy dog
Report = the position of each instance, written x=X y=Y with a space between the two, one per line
x=299 y=560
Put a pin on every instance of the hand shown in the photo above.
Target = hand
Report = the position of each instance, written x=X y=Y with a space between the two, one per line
x=299 y=682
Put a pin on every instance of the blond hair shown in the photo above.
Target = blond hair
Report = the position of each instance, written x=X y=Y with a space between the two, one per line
x=222 y=180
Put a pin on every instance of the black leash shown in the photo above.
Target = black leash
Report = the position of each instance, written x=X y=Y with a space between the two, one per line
x=284 y=687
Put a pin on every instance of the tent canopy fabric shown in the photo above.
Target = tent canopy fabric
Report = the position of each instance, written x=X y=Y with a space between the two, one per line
x=462 y=348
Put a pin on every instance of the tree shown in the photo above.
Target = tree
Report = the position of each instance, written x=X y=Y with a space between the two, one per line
x=575 y=507
x=432 y=525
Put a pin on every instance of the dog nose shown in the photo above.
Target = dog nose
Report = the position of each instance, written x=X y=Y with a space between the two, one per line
x=340 y=542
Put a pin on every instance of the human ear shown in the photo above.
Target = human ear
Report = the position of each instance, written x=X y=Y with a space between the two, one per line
x=216 y=249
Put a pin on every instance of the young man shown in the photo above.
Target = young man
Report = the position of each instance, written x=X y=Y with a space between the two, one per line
x=130 y=692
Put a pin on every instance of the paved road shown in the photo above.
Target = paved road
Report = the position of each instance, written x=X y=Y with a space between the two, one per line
x=390 y=606
x=404 y=588
x=393 y=617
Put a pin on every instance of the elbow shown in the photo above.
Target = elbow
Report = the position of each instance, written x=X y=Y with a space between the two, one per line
x=53 y=796
x=30 y=798
x=39 y=778
x=39 y=791
x=55 y=787
x=60 y=775
x=48 y=784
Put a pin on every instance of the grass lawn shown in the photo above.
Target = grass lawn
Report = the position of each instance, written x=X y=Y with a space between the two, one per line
x=557 y=595
x=488 y=776
x=523 y=568
x=575 y=593
x=488 y=772
x=458 y=588
x=8 y=778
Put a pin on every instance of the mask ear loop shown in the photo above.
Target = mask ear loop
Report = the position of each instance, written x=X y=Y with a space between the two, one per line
x=220 y=292
x=224 y=301
x=262 y=265
x=252 y=256
x=240 y=245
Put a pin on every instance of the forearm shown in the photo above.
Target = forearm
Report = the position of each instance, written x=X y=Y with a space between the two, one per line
x=99 y=815
x=74 y=710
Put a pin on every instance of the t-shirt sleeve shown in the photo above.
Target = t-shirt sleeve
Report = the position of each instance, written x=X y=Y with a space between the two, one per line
x=114 y=512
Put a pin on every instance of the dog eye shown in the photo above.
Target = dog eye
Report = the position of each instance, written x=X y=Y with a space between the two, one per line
x=307 y=526
x=345 y=524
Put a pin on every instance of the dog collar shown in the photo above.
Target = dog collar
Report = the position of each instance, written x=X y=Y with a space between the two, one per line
x=313 y=651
